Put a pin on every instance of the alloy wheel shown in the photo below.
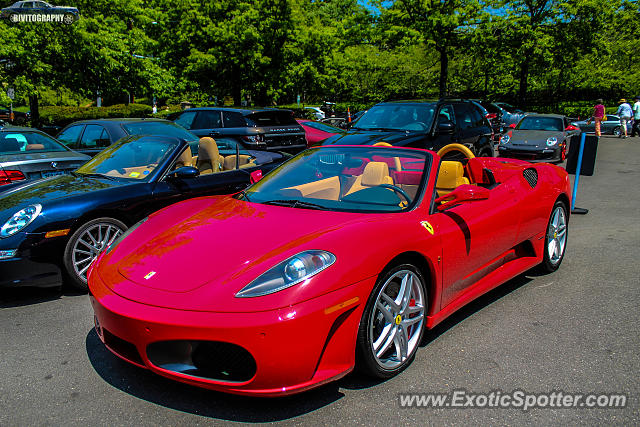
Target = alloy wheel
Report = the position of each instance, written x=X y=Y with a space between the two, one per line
x=89 y=245
x=557 y=235
x=397 y=320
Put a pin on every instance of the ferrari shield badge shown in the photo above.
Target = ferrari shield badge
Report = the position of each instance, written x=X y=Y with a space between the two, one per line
x=427 y=226
x=149 y=275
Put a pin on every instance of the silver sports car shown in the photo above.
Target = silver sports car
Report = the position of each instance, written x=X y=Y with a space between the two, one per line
x=611 y=126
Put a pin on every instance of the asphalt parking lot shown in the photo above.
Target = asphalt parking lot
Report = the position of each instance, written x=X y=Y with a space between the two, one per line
x=574 y=331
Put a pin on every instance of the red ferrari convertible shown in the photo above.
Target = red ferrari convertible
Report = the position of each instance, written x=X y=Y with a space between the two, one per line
x=339 y=258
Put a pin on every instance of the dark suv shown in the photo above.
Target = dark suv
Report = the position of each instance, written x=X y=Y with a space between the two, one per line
x=267 y=128
x=422 y=124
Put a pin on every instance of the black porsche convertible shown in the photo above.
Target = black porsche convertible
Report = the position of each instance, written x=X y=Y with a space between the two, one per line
x=58 y=225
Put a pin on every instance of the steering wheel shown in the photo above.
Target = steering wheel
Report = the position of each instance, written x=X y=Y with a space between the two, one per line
x=456 y=147
x=398 y=190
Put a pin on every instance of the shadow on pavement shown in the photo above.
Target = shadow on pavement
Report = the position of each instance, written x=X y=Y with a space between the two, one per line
x=22 y=296
x=154 y=388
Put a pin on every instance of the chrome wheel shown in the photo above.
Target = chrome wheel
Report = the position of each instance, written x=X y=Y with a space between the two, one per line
x=557 y=235
x=89 y=244
x=68 y=19
x=617 y=131
x=396 y=321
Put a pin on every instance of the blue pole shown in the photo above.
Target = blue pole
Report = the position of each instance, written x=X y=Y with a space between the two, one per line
x=578 y=168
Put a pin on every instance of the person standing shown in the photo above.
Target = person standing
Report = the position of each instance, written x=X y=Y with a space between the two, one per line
x=635 y=130
x=624 y=112
x=598 y=115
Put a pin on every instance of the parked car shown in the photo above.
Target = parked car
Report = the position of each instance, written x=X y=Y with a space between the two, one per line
x=18 y=118
x=65 y=14
x=510 y=114
x=421 y=124
x=92 y=136
x=610 y=126
x=494 y=115
x=318 y=132
x=381 y=244
x=267 y=128
x=538 y=137
x=318 y=114
x=62 y=223
x=27 y=153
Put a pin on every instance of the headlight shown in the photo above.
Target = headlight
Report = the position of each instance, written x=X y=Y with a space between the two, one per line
x=552 y=141
x=123 y=235
x=505 y=139
x=20 y=220
x=288 y=273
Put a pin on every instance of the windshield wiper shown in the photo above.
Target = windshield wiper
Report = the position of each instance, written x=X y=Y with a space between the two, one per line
x=244 y=194
x=99 y=175
x=296 y=204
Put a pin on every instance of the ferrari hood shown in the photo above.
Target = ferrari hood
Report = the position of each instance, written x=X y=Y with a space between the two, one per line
x=214 y=245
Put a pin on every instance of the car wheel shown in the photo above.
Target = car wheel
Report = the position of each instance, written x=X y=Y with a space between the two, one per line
x=393 y=322
x=555 y=240
x=19 y=121
x=68 y=18
x=13 y=17
x=486 y=153
x=617 y=131
x=84 y=246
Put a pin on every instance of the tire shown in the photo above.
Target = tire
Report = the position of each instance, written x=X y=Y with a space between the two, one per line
x=85 y=244
x=20 y=121
x=401 y=322
x=13 y=17
x=617 y=131
x=486 y=153
x=555 y=241
x=68 y=18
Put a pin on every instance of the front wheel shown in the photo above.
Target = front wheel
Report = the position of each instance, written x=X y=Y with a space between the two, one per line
x=393 y=322
x=555 y=240
x=68 y=18
x=617 y=131
x=84 y=246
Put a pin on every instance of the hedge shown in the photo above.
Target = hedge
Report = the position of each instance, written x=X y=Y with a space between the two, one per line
x=62 y=116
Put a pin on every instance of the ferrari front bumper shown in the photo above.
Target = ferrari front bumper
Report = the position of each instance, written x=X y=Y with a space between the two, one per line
x=294 y=348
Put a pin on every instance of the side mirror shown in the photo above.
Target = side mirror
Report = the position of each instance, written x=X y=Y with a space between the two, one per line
x=185 y=172
x=463 y=193
x=446 y=127
x=571 y=128
x=255 y=176
x=512 y=125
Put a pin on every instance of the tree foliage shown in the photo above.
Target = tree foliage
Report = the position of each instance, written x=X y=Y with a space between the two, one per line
x=265 y=52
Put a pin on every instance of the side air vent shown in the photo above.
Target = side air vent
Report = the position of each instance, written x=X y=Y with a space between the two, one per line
x=531 y=175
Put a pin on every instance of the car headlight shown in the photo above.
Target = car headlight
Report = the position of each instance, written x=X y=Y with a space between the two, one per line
x=505 y=139
x=123 y=235
x=289 y=272
x=20 y=220
x=552 y=141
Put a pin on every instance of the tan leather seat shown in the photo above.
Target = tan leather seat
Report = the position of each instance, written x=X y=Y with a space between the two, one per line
x=450 y=176
x=209 y=158
x=244 y=161
x=185 y=159
x=374 y=174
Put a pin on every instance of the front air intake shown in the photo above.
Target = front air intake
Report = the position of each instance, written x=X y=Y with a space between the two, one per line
x=531 y=175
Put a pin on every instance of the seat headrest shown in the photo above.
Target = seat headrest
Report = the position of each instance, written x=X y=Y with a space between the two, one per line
x=449 y=173
x=207 y=149
x=186 y=158
x=375 y=173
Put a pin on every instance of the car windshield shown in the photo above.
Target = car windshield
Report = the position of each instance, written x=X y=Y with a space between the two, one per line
x=159 y=128
x=129 y=158
x=404 y=117
x=323 y=127
x=540 y=123
x=350 y=179
x=31 y=142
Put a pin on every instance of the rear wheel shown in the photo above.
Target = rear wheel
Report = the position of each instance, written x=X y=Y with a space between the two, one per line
x=555 y=240
x=68 y=18
x=84 y=246
x=617 y=131
x=393 y=322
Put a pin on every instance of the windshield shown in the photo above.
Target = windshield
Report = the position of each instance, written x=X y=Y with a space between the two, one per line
x=159 y=128
x=130 y=158
x=540 y=123
x=31 y=142
x=352 y=179
x=404 y=117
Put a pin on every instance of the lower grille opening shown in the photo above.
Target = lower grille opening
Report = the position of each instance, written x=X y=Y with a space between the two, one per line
x=214 y=360
x=122 y=347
